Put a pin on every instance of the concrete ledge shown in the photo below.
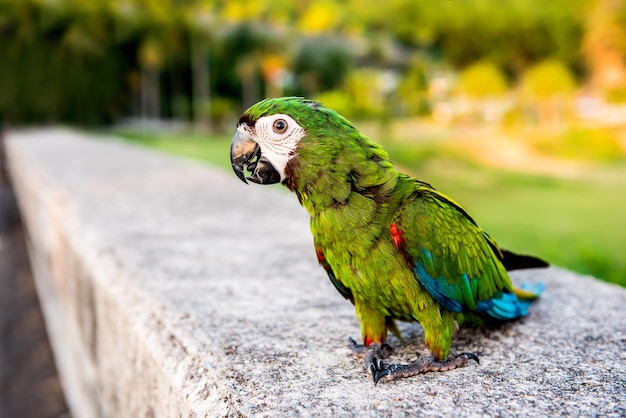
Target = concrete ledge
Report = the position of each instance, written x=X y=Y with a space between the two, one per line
x=171 y=289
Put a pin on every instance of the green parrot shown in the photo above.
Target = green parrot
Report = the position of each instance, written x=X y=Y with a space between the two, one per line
x=394 y=246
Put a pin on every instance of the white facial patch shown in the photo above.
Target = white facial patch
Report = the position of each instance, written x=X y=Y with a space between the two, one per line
x=278 y=136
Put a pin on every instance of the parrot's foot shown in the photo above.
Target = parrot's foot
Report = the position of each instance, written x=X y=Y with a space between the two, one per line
x=373 y=355
x=425 y=363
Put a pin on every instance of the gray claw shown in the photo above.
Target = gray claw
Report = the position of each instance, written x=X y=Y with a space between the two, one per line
x=380 y=374
x=373 y=371
x=469 y=356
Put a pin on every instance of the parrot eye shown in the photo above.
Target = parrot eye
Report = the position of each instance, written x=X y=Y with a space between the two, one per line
x=280 y=126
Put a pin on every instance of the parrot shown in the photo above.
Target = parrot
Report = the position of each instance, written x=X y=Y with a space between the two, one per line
x=393 y=245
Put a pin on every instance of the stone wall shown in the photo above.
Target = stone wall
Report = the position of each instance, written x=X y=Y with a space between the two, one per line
x=172 y=289
x=29 y=385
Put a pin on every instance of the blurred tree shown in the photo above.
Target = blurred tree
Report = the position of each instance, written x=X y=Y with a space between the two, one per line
x=547 y=86
x=94 y=61
x=547 y=80
x=151 y=60
x=49 y=53
x=483 y=85
x=242 y=49
x=412 y=89
x=361 y=95
x=242 y=10
x=605 y=48
x=320 y=64
x=274 y=70
x=321 y=16
x=338 y=100
x=482 y=80
x=512 y=34
x=201 y=25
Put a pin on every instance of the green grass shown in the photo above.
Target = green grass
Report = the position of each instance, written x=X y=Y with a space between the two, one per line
x=213 y=150
x=576 y=223
x=573 y=223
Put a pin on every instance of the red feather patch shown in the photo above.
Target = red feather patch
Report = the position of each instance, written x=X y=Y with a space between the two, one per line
x=396 y=236
x=320 y=256
x=368 y=341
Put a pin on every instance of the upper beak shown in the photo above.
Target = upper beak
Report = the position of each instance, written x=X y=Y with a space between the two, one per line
x=242 y=152
x=245 y=154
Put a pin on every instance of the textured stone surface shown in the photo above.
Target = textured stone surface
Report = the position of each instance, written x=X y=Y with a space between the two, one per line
x=174 y=289
x=29 y=386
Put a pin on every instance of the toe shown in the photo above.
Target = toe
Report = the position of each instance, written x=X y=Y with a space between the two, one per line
x=355 y=347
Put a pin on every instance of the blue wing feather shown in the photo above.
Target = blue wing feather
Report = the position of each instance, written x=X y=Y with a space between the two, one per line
x=503 y=305
x=439 y=289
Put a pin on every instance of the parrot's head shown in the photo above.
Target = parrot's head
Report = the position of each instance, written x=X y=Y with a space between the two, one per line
x=271 y=134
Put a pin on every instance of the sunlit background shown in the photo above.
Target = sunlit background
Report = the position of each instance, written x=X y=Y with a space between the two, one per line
x=515 y=108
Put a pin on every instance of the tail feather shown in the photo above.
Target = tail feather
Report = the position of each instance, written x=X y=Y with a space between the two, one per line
x=504 y=306
x=528 y=292
x=514 y=261
x=507 y=306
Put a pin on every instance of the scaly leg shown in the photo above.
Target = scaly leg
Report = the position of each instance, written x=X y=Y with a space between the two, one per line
x=425 y=363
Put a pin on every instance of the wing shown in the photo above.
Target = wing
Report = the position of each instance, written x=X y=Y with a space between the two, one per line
x=345 y=292
x=453 y=259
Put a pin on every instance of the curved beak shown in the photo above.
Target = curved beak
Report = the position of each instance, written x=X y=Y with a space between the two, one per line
x=245 y=155
x=242 y=152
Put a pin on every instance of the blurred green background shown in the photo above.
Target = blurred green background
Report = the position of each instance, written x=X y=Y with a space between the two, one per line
x=515 y=108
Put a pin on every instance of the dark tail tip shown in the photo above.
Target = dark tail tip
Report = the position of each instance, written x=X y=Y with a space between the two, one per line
x=514 y=261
